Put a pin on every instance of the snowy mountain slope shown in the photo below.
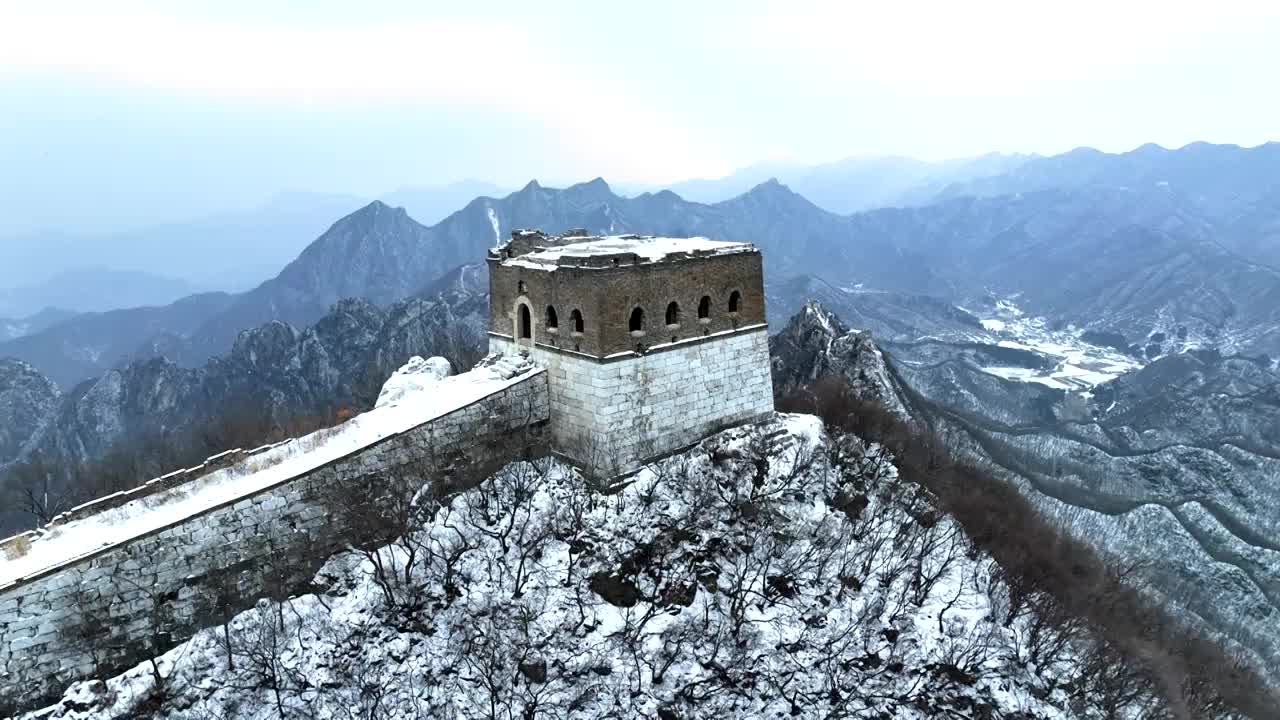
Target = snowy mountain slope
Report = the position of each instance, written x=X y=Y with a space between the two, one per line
x=27 y=398
x=771 y=571
x=1171 y=468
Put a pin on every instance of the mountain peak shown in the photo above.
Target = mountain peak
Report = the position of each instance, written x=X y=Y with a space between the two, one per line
x=775 y=194
x=376 y=214
x=771 y=187
x=593 y=191
x=531 y=186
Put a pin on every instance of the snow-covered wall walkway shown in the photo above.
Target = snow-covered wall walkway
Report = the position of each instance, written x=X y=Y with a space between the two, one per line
x=108 y=590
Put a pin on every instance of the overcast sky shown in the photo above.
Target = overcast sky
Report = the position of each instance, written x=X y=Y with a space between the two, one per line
x=122 y=112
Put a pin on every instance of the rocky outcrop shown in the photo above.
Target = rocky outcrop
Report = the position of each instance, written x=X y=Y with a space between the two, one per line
x=815 y=344
x=26 y=399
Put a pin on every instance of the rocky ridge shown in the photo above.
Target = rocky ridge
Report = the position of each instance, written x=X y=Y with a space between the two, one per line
x=1172 y=470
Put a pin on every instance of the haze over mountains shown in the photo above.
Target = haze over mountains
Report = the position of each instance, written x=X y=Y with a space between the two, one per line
x=849 y=185
x=230 y=251
x=1113 y=254
x=92 y=289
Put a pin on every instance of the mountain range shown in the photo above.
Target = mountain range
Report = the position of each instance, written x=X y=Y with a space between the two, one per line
x=849 y=185
x=231 y=251
x=1134 y=262
x=1147 y=266
x=1170 y=468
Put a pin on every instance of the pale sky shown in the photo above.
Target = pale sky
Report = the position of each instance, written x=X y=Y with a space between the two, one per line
x=123 y=112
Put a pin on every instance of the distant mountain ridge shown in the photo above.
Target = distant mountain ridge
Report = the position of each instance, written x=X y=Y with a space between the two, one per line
x=228 y=251
x=1235 y=188
x=89 y=344
x=93 y=289
x=1134 y=262
x=853 y=184
x=11 y=328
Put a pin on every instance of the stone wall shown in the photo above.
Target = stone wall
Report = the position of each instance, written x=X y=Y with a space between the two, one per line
x=610 y=416
x=107 y=612
x=606 y=296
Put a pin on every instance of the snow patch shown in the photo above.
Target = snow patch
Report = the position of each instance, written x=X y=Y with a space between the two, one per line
x=651 y=249
x=493 y=220
x=416 y=375
x=1076 y=364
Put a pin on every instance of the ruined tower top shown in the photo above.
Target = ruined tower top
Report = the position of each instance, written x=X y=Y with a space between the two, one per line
x=602 y=296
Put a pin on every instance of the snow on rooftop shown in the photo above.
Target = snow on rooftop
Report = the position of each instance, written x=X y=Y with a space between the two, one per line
x=647 y=247
x=63 y=544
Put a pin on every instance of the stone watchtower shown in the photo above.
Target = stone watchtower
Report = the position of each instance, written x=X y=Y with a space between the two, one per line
x=651 y=344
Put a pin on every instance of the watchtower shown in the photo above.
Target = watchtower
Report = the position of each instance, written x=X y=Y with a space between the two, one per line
x=651 y=343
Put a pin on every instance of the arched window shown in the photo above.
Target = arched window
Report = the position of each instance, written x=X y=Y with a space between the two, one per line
x=673 y=313
x=575 y=318
x=636 y=324
x=704 y=307
x=525 y=322
x=552 y=322
x=735 y=300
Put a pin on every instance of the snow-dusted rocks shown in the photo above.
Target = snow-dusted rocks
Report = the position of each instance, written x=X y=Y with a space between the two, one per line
x=417 y=375
x=26 y=398
x=757 y=593
x=816 y=344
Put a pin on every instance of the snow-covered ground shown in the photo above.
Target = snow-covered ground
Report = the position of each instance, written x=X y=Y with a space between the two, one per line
x=416 y=394
x=1077 y=365
x=770 y=572
x=648 y=247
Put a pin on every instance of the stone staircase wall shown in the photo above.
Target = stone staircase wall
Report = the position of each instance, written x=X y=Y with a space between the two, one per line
x=106 y=612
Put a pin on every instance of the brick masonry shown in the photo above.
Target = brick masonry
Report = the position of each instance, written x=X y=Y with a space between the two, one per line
x=605 y=297
x=611 y=416
x=107 y=612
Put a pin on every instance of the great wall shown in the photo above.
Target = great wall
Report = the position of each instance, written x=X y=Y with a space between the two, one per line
x=131 y=575
x=105 y=610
